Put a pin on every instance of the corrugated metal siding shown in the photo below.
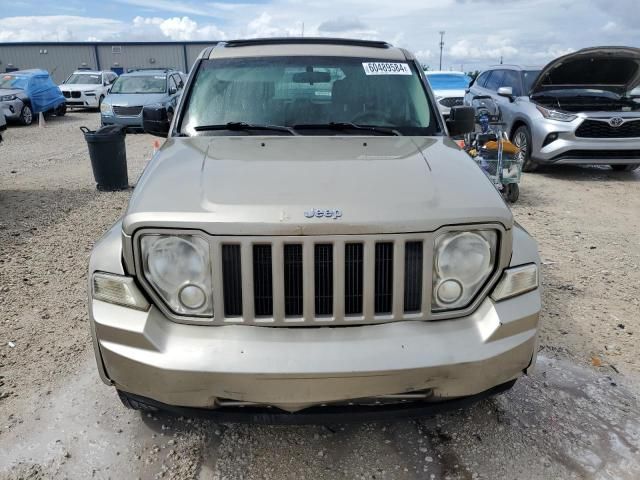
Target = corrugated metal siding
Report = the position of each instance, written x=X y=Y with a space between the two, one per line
x=59 y=60
x=62 y=59
x=194 y=50
x=141 y=56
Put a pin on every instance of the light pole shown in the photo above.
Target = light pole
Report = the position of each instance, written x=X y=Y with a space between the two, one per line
x=441 y=47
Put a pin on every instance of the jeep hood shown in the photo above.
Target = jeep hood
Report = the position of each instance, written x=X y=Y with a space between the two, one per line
x=252 y=185
x=614 y=69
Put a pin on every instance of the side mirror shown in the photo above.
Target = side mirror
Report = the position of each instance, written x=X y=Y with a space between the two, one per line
x=506 y=92
x=461 y=121
x=155 y=120
x=173 y=90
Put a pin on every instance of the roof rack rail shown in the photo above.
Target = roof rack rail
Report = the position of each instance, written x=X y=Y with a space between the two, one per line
x=142 y=69
x=307 y=41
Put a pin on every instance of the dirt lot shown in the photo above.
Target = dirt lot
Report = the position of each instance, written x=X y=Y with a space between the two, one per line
x=577 y=417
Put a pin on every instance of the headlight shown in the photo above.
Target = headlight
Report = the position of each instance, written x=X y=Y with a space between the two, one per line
x=179 y=269
x=8 y=98
x=106 y=108
x=555 y=115
x=462 y=263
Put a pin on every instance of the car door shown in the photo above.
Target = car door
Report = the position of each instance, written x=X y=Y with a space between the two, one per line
x=477 y=87
x=509 y=106
x=173 y=91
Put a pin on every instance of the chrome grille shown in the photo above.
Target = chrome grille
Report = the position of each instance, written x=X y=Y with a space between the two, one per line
x=296 y=281
x=127 y=111
x=321 y=280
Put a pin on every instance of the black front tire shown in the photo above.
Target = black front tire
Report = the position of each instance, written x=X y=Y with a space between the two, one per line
x=61 y=111
x=511 y=192
x=625 y=168
x=26 y=115
x=522 y=140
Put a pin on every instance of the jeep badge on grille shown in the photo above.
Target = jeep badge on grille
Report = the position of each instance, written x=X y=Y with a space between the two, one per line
x=323 y=213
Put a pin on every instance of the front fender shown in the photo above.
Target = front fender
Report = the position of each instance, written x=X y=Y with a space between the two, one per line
x=106 y=256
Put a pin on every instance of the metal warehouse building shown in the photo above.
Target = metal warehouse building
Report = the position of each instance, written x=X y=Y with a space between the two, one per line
x=61 y=59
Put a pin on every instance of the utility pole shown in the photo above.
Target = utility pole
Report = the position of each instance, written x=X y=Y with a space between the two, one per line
x=302 y=29
x=500 y=59
x=441 y=46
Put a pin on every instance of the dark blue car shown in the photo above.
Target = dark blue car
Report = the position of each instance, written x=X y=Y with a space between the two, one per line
x=27 y=92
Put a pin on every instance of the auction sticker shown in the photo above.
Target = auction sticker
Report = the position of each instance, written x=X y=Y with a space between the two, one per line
x=386 y=68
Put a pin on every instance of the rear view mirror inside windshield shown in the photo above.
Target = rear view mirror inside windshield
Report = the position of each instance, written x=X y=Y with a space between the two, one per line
x=312 y=77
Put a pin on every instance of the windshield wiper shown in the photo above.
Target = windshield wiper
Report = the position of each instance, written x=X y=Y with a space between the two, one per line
x=341 y=126
x=241 y=126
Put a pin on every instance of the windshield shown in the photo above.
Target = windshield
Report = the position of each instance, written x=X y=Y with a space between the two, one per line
x=84 y=79
x=295 y=91
x=140 y=84
x=16 y=82
x=444 y=81
x=528 y=77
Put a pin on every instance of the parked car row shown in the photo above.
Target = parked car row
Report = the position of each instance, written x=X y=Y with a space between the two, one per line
x=25 y=93
x=28 y=92
x=132 y=91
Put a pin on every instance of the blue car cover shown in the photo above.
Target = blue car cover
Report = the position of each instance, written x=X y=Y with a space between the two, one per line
x=42 y=92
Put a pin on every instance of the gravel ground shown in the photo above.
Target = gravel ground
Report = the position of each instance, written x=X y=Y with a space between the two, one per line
x=577 y=417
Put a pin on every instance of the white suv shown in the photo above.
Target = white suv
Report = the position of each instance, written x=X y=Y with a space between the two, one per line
x=87 y=88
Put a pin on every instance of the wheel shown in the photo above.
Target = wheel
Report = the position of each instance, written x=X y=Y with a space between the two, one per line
x=625 y=168
x=522 y=140
x=61 y=110
x=132 y=404
x=26 y=115
x=511 y=192
x=170 y=115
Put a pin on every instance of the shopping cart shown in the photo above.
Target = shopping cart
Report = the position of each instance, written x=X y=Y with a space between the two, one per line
x=491 y=149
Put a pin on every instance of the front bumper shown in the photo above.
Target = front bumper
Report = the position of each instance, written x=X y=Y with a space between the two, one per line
x=570 y=149
x=84 y=100
x=145 y=354
x=131 y=122
x=11 y=109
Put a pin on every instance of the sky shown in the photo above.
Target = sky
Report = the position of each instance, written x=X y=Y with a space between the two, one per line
x=477 y=32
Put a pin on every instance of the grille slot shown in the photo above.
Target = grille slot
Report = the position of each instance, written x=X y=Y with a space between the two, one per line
x=127 y=111
x=383 y=294
x=76 y=94
x=232 y=280
x=353 y=253
x=323 y=276
x=598 y=129
x=293 y=280
x=412 y=276
x=66 y=94
x=262 y=281
x=452 y=101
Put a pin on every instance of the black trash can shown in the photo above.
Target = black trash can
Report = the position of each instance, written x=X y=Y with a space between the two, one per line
x=108 y=157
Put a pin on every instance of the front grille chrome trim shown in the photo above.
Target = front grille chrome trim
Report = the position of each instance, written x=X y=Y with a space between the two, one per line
x=339 y=243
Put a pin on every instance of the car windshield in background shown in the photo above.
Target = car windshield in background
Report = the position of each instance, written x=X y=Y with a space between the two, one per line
x=442 y=81
x=140 y=84
x=16 y=82
x=528 y=77
x=83 y=79
x=308 y=95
